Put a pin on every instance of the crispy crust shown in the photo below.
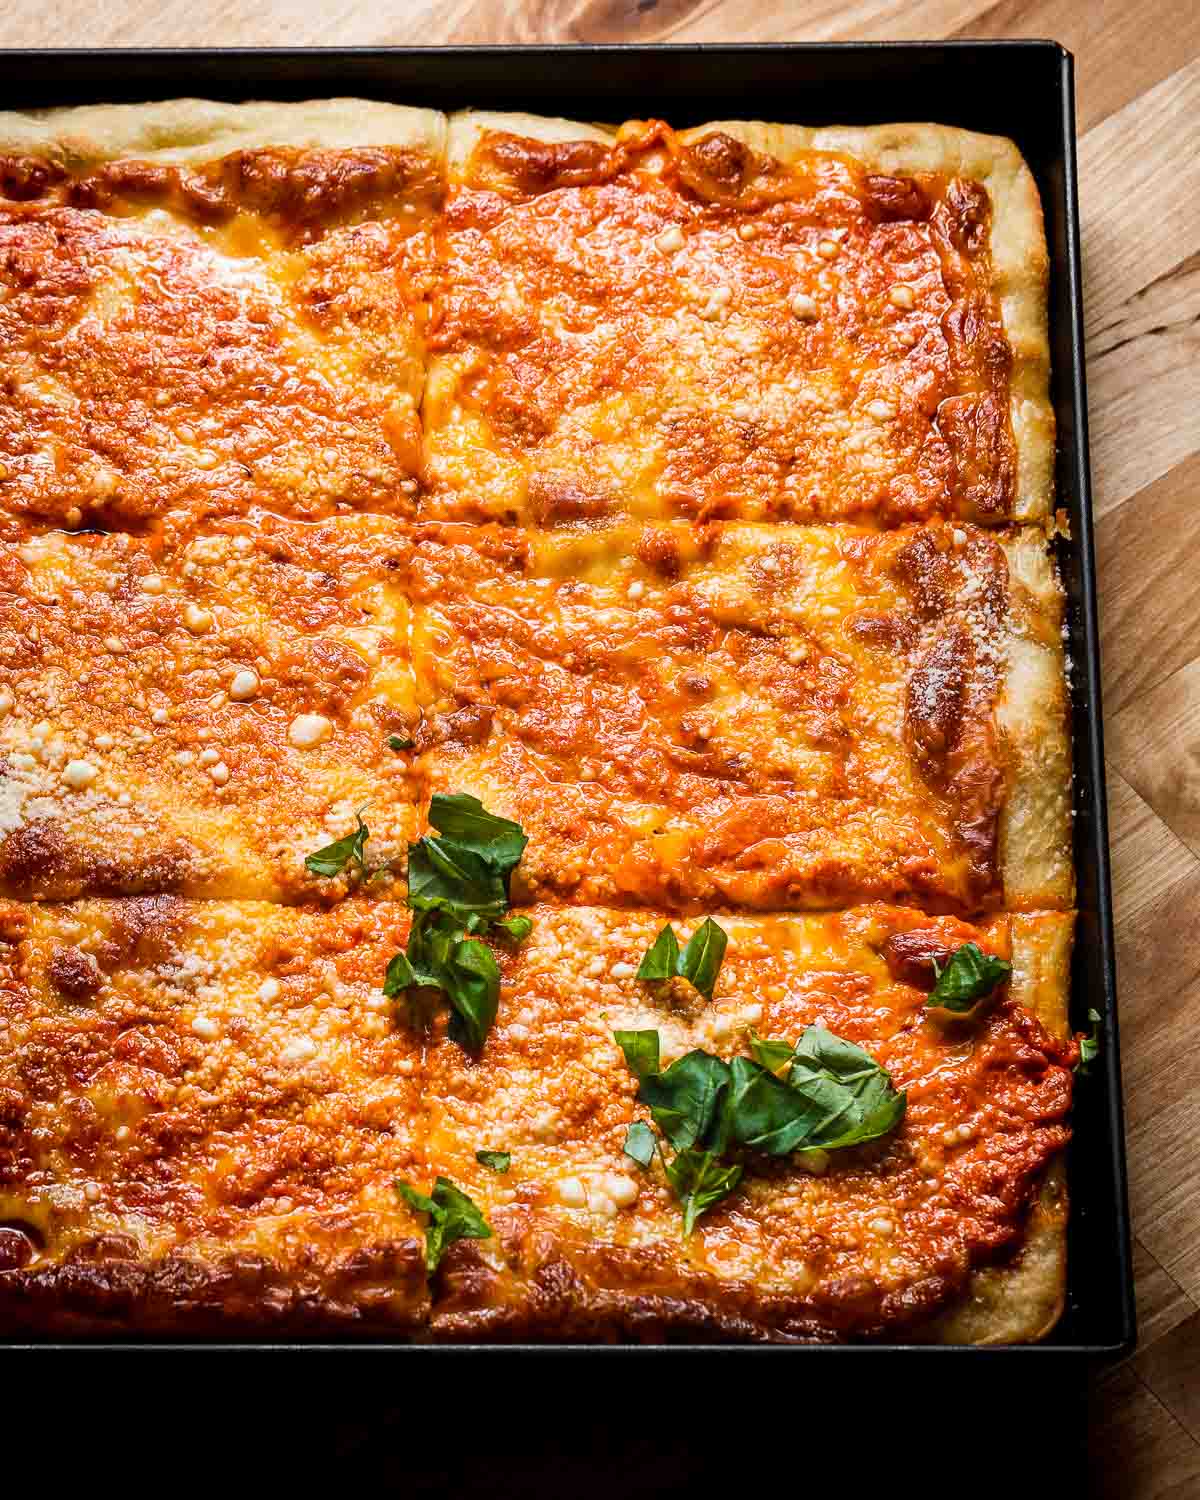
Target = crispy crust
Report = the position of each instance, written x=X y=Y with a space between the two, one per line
x=1035 y=823
x=1020 y=263
x=201 y=130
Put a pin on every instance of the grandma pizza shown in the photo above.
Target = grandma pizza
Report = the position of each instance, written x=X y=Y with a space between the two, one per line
x=534 y=778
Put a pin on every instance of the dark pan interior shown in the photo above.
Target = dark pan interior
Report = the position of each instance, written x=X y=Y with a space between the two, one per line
x=1020 y=89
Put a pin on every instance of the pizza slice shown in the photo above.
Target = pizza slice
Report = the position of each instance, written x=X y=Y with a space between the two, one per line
x=199 y=718
x=940 y=1216
x=737 y=321
x=203 y=1109
x=207 y=306
x=753 y=716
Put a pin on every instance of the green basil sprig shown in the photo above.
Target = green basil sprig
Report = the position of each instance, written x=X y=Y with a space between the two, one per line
x=351 y=850
x=1089 y=1045
x=698 y=963
x=458 y=889
x=822 y=1093
x=451 y=1216
x=970 y=976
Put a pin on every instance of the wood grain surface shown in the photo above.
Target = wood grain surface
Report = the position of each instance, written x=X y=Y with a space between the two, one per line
x=1138 y=65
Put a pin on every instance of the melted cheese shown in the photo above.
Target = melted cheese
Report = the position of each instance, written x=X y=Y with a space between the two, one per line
x=263 y=395
x=189 y=682
x=721 y=718
x=624 y=339
x=174 y=1096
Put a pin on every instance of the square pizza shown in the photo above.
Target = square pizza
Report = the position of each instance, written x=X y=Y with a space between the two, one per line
x=534 y=762
x=742 y=321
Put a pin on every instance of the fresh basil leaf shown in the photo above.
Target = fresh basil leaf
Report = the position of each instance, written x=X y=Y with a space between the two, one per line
x=776 y=1057
x=456 y=879
x=833 y=1094
x=462 y=818
x=399 y=742
x=334 y=858
x=661 y=959
x=970 y=975
x=399 y=975
x=700 y=961
x=685 y=1100
x=767 y=1115
x=516 y=929
x=473 y=986
x=639 y=1143
x=494 y=1161
x=640 y=1049
x=1089 y=1045
x=452 y=1216
x=699 y=1180
x=857 y=1094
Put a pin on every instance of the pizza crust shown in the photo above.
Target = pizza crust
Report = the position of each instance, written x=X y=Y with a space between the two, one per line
x=468 y=126
x=194 y=130
x=1035 y=824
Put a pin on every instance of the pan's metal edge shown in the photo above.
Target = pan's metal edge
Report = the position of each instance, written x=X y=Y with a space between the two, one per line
x=1084 y=543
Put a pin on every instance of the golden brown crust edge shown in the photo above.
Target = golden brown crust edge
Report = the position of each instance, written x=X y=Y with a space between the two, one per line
x=1035 y=852
x=378 y=1288
x=195 y=130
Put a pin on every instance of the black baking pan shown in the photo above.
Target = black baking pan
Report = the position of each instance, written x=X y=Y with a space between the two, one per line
x=1021 y=89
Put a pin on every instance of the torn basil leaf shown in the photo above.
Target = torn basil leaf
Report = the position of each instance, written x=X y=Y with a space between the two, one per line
x=639 y=1143
x=776 y=1057
x=451 y=1216
x=333 y=858
x=685 y=1101
x=1089 y=1045
x=453 y=878
x=823 y=1093
x=700 y=961
x=494 y=1161
x=970 y=976
x=473 y=986
x=640 y=1049
x=661 y=959
x=399 y=975
x=458 y=888
x=399 y=742
x=843 y=1079
x=699 y=1180
x=463 y=819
